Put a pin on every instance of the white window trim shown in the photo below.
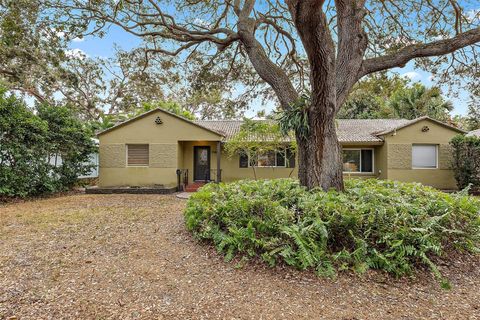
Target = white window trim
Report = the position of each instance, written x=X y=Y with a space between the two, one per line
x=436 y=156
x=359 y=172
x=136 y=166
x=275 y=166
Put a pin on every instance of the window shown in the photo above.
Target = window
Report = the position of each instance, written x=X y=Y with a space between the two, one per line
x=137 y=155
x=424 y=156
x=358 y=160
x=268 y=159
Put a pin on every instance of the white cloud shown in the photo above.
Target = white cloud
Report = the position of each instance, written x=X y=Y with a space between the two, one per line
x=77 y=39
x=411 y=75
x=76 y=53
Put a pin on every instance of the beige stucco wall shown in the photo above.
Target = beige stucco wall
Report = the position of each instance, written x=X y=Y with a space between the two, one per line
x=398 y=148
x=165 y=150
x=171 y=147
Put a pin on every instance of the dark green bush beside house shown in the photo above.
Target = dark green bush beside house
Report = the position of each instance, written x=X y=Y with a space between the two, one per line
x=386 y=225
x=466 y=161
x=28 y=143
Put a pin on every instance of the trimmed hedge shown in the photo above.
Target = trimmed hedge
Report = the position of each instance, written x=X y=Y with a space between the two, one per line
x=391 y=226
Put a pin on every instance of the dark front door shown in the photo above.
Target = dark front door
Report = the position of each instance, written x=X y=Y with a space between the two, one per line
x=201 y=163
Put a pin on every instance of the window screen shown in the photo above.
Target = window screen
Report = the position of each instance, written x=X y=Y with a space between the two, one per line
x=424 y=156
x=137 y=154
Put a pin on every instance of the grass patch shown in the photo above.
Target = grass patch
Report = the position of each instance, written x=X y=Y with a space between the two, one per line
x=375 y=224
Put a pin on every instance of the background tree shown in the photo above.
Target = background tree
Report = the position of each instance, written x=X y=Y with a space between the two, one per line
x=342 y=40
x=418 y=101
x=31 y=50
x=381 y=96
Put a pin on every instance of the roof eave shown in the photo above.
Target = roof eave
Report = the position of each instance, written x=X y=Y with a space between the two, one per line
x=362 y=143
x=152 y=111
x=414 y=121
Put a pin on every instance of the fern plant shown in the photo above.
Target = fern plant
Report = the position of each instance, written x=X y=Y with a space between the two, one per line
x=375 y=224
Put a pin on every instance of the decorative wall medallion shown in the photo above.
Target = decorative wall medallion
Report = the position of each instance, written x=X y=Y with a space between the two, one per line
x=158 y=120
x=425 y=129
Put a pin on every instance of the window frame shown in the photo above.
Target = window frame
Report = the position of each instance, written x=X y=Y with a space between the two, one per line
x=275 y=166
x=137 y=166
x=361 y=172
x=436 y=156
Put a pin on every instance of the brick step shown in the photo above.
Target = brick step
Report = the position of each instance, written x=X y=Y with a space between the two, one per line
x=193 y=187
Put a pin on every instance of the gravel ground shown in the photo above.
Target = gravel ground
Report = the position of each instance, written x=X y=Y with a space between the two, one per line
x=129 y=257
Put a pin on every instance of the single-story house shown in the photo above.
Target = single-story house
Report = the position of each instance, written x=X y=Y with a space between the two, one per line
x=474 y=133
x=161 y=148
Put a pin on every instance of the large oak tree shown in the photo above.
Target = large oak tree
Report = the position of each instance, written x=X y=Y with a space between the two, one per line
x=293 y=45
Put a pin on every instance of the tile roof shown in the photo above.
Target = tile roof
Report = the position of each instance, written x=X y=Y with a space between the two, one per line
x=348 y=130
x=474 y=133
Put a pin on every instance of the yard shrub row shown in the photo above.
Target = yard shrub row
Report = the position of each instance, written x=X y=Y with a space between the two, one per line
x=392 y=226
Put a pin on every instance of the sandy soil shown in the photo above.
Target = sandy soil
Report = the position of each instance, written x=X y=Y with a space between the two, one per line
x=129 y=257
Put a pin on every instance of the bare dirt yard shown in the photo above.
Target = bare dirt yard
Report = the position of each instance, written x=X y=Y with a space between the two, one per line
x=129 y=257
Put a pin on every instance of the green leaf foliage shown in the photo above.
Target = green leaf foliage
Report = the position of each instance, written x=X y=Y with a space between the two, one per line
x=375 y=224
x=466 y=161
x=30 y=143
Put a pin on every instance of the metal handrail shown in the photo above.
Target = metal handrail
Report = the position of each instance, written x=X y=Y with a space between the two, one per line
x=182 y=179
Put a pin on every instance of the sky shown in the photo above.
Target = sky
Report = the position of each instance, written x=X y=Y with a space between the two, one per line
x=104 y=48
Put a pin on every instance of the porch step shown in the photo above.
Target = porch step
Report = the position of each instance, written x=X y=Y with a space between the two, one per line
x=193 y=187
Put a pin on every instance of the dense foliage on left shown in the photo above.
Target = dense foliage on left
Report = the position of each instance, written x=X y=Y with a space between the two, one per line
x=40 y=152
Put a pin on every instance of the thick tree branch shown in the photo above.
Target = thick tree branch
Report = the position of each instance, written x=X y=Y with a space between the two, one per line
x=275 y=76
x=436 y=48
x=352 y=44
x=312 y=25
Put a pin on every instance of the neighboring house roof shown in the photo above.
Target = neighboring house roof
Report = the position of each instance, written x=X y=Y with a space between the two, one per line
x=474 y=133
x=121 y=124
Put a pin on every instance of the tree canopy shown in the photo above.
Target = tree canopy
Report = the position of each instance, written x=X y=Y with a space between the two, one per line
x=382 y=96
x=280 y=48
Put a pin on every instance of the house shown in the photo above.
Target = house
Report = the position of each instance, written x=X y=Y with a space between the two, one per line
x=159 y=148
x=474 y=133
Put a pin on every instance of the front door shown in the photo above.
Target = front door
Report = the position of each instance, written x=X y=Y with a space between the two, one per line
x=201 y=163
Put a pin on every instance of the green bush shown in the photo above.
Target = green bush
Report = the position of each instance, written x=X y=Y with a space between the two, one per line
x=466 y=161
x=29 y=140
x=378 y=224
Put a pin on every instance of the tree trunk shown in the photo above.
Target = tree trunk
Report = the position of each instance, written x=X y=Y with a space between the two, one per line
x=320 y=155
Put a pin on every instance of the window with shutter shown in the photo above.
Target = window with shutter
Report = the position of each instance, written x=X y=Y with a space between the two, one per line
x=137 y=155
x=424 y=156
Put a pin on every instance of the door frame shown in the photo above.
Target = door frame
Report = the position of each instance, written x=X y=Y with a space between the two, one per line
x=195 y=162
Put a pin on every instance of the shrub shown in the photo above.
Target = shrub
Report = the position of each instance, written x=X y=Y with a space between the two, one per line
x=466 y=161
x=27 y=143
x=386 y=225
